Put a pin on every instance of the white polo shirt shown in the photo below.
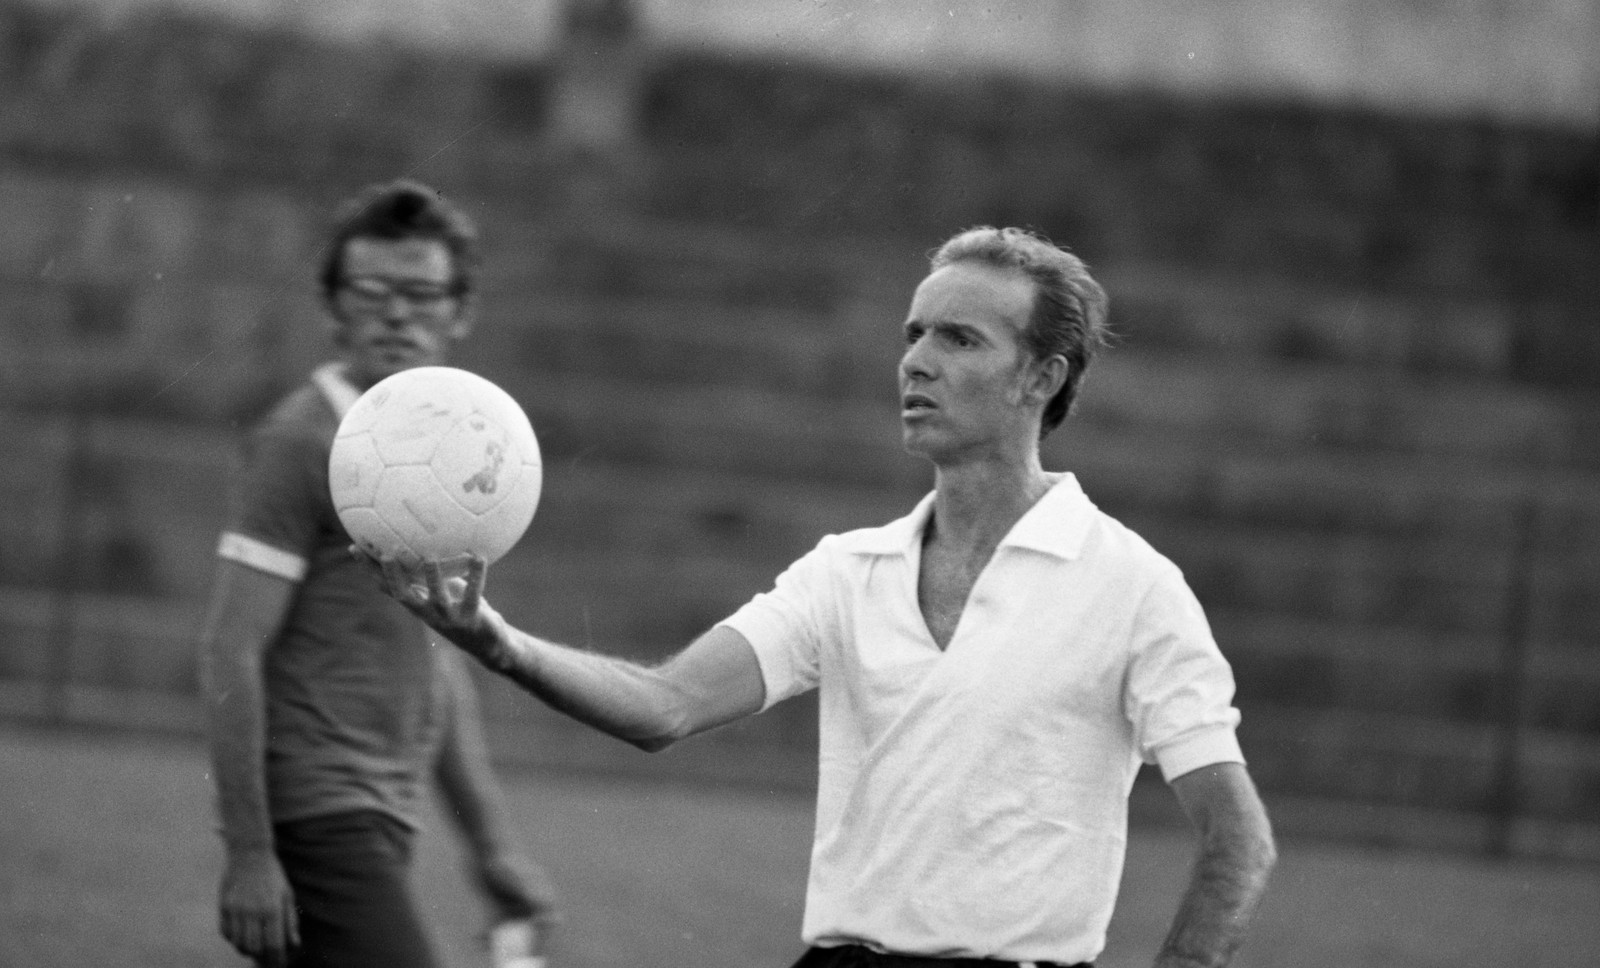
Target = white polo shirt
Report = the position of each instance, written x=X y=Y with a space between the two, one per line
x=973 y=802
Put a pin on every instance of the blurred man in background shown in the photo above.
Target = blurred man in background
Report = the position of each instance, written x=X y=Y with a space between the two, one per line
x=993 y=667
x=330 y=708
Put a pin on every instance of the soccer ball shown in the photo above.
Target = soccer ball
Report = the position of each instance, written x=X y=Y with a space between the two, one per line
x=434 y=463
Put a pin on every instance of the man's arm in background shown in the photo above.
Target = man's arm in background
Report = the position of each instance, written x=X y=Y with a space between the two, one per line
x=247 y=609
x=515 y=885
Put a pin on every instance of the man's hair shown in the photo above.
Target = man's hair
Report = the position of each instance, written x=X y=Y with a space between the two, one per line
x=395 y=211
x=1069 y=307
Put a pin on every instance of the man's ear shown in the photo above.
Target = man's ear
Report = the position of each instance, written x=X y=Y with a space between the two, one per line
x=338 y=330
x=1049 y=376
x=466 y=316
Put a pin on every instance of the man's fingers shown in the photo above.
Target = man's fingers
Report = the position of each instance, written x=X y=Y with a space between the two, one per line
x=433 y=574
x=402 y=584
x=275 y=955
x=395 y=581
x=230 y=931
x=472 y=597
x=246 y=935
x=271 y=933
x=291 y=925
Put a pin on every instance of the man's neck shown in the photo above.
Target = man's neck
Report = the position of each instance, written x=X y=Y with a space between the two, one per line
x=976 y=505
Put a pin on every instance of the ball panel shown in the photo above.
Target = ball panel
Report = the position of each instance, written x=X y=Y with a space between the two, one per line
x=412 y=502
x=477 y=463
x=499 y=406
x=415 y=410
x=354 y=468
x=499 y=530
x=373 y=536
x=362 y=414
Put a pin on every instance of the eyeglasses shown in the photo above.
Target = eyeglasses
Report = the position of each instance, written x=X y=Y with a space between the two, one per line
x=371 y=294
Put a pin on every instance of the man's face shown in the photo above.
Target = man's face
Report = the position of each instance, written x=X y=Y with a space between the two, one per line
x=396 y=306
x=965 y=375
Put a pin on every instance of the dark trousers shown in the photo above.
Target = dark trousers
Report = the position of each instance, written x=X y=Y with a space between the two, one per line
x=856 y=956
x=351 y=878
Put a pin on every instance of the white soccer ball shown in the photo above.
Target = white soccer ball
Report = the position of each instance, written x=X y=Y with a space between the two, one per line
x=434 y=463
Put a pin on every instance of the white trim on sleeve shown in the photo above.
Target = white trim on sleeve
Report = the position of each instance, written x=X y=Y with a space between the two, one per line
x=1219 y=744
x=261 y=556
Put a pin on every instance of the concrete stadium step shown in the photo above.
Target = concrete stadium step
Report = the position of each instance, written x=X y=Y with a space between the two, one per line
x=1317 y=404
x=716 y=428
x=1534 y=337
x=1366 y=198
x=152 y=501
x=1443 y=585
x=693 y=342
x=1409 y=247
x=1406 y=249
x=1380 y=758
x=131 y=642
x=1348 y=491
x=1475 y=676
x=626 y=257
x=663 y=510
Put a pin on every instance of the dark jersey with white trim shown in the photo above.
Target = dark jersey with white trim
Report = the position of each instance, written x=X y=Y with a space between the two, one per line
x=354 y=694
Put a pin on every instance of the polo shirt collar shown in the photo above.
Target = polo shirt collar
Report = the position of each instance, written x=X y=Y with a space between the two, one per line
x=1057 y=525
x=334 y=381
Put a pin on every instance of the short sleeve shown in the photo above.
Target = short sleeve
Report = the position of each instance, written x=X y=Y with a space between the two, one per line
x=1180 y=688
x=276 y=500
x=788 y=625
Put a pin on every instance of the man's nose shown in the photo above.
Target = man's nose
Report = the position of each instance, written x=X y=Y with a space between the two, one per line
x=397 y=310
x=915 y=362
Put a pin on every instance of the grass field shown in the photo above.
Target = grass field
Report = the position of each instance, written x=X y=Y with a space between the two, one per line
x=108 y=857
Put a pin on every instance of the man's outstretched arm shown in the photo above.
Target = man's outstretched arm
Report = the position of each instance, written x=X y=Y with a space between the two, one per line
x=713 y=681
x=1236 y=856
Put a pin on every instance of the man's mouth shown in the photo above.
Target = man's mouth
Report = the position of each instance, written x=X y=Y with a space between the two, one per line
x=916 y=403
x=393 y=345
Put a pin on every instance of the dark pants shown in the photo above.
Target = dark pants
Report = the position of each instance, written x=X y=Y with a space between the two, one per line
x=352 y=889
x=856 y=956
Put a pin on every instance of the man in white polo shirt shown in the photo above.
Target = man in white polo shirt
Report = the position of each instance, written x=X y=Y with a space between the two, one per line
x=993 y=667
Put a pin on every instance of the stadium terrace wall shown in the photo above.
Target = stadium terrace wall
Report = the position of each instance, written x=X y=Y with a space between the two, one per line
x=1354 y=395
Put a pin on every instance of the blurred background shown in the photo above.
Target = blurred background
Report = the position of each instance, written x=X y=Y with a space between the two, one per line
x=1353 y=250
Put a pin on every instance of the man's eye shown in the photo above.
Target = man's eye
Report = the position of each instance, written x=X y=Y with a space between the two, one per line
x=377 y=291
x=424 y=295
